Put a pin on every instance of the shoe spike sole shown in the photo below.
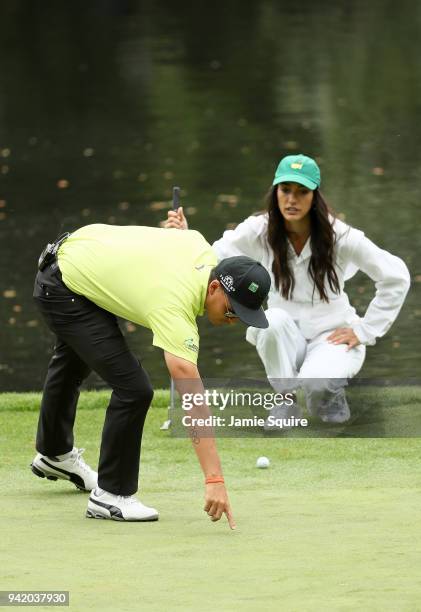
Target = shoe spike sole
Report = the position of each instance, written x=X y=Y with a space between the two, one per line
x=93 y=515
x=41 y=474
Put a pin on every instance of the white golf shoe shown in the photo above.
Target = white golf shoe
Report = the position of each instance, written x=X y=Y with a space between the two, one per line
x=72 y=468
x=282 y=412
x=104 y=505
x=335 y=409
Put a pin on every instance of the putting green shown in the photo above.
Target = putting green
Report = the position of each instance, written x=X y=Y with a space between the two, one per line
x=333 y=524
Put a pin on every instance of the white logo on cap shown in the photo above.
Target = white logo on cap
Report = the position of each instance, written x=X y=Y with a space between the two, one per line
x=228 y=282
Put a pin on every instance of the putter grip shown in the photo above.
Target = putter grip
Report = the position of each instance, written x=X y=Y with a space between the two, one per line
x=175 y=198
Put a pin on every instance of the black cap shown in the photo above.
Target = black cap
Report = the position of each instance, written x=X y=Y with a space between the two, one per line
x=246 y=282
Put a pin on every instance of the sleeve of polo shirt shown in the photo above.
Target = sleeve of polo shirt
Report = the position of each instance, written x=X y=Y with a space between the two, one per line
x=392 y=281
x=245 y=239
x=175 y=333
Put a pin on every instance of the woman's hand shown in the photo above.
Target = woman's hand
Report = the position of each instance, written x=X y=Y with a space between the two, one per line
x=217 y=503
x=176 y=219
x=344 y=335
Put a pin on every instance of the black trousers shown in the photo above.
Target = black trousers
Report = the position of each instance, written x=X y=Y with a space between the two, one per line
x=89 y=338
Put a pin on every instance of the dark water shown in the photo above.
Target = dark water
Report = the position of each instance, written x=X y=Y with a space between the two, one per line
x=105 y=105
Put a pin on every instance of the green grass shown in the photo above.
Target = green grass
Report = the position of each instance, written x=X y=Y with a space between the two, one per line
x=333 y=524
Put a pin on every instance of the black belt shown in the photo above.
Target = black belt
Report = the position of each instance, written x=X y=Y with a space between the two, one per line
x=49 y=254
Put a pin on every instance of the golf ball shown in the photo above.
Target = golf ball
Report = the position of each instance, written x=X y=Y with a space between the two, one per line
x=262 y=462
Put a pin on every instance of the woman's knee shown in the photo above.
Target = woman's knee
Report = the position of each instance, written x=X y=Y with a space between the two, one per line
x=333 y=362
x=278 y=318
x=279 y=322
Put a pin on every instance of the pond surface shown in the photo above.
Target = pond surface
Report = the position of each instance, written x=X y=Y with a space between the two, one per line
x=104 y=106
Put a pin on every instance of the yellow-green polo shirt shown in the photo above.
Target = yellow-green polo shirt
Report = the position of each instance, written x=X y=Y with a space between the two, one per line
x=155 y=277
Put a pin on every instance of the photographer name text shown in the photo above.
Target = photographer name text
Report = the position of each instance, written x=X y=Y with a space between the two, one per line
x=233 y=421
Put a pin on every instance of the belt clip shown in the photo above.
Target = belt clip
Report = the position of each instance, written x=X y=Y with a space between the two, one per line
x=49 y=254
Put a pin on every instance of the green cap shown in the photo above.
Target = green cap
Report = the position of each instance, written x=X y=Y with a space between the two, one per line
x=298 y=169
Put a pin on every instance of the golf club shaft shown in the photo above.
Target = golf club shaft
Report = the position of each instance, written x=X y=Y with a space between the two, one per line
x=175 y=205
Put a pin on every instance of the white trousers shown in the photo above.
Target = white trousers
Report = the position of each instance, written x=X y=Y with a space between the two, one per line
x=291 y=361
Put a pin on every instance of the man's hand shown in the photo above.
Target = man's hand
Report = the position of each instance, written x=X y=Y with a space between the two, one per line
x=176 y=219
x=217 y=503
x=344 y=335
x=187 y=380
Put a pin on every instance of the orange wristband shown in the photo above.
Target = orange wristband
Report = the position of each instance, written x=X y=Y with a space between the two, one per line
x=214 y=479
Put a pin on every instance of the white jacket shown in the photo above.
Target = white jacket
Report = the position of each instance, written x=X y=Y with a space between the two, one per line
x=353 y=251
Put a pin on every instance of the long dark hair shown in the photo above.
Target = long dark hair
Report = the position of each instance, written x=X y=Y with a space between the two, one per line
x=322 y=240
